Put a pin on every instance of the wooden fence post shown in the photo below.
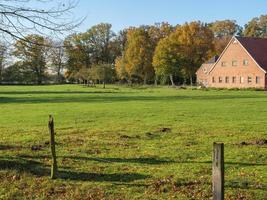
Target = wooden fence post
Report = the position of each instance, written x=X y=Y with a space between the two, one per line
x=53 y=147
x=218 y=171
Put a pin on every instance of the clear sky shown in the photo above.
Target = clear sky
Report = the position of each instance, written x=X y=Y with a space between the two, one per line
x=125 y=13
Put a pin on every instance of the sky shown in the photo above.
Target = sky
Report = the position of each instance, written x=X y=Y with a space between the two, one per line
x=125 y=13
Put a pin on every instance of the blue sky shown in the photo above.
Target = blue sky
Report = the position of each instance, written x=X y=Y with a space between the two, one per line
x=125 y=13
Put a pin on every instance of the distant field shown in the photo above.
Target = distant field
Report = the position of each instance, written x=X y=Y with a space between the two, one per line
x=131 y=143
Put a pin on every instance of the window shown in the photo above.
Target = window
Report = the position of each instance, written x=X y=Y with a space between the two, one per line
x=220 y=79
x=234 y=63
x=241 y=79
x=233 y=79
x=249 y=79
x=213 y=79
x=257 y=79
x=245 y=62
x=226 y=79
x=223 y=63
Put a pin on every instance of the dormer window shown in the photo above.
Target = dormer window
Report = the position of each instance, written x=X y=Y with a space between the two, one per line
x=245 y=62
x=223 y=64
x=234 y=63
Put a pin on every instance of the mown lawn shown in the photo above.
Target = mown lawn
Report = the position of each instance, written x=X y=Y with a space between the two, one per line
x=131 y=143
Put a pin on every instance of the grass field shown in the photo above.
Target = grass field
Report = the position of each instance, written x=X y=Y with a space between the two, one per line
x=131 y=143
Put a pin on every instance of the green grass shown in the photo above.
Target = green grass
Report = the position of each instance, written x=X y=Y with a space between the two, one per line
x=111 y=143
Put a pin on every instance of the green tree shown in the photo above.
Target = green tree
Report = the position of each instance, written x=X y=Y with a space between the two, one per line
x=183 y=51
x=223 y=31
x=138 y=55
x=225 y=28
x=33 y=55
x=257 y=27
x=3 y=57
x=103 y=73
x=166 y=60
x=196 y=40
x=96 y=46
x=159 y=31
x=57 y=58
x=120 y=68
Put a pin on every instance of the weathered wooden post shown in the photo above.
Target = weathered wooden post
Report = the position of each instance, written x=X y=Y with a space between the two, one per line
x=53 y=147
x=218 y=171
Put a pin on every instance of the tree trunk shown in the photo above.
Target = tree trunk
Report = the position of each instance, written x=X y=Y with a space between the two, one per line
x=58 y=77
x=1 y=72
x=191 y=80
x=39 y=80
x=104 y=84
x=145 y=79
x=171 y=79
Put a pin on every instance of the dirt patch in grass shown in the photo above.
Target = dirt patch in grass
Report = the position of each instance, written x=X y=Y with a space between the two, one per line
x=164 y=130
x=129 y=137
x=260 y=142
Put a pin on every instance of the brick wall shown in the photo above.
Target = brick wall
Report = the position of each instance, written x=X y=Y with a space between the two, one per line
x=233 y=60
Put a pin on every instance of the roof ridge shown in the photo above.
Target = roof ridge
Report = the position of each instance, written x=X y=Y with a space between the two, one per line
x=257 y=38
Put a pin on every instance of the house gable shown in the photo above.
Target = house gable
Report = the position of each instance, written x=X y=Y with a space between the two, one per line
x=235 y=41
x=236 y=68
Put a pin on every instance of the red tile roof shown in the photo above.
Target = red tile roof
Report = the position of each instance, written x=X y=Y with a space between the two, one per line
x=257 y=48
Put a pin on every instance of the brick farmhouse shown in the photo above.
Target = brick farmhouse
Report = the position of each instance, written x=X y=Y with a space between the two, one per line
x=242 y=64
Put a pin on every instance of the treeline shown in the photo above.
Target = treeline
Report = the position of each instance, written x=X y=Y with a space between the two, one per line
x=157 y=54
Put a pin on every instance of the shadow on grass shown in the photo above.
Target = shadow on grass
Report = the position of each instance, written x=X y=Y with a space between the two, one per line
x=38 y=169
x=103 y=98
x=53 y=92
x=9 y=147
x=148 y=160
x=142 y=160
x=241 y=164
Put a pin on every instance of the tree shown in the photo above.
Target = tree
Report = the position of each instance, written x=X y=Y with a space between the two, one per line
x=183 y=51
x=225 y=28
x=33 y=55
x=18 y=72
x=3 y=55
x=138 y=55
x=101 y=37
x=121 y=69
x=257 y=27
x=21 y=18
x=95 y=46
x=103 y=73
x=57 y=58
x=77 y=55
x=196 y=40
x=223 y=32
x=159 y=31
x=166 y=60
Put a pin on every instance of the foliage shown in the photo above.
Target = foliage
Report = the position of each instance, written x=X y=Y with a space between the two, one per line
x=184 y=50
x=3 y=58
x=167 y=57
x=138 y=55
x=104 y=73
x=225 y=28
x=33 y=55
x=57 y=59
x=223 y=32
x=120 y=68
x=96 y=46
x=257 y=27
